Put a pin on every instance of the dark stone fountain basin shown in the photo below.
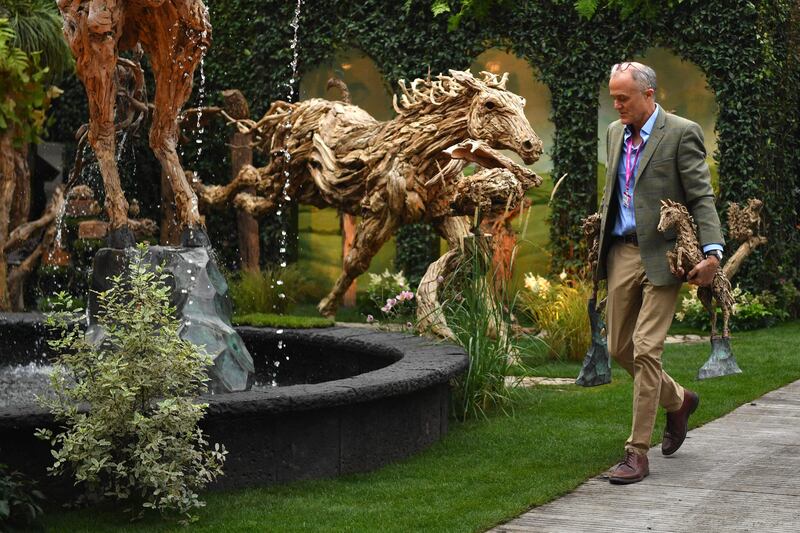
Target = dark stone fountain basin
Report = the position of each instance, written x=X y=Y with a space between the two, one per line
x=362 y=399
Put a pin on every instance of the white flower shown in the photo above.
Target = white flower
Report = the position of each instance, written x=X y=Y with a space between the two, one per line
x=537 y=284
x=563 y=275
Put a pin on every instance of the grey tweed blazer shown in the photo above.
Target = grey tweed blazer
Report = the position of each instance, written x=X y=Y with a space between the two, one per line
x=672 y=166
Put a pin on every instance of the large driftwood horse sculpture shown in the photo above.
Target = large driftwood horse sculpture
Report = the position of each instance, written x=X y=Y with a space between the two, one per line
x=174 y=34
x=406 y=170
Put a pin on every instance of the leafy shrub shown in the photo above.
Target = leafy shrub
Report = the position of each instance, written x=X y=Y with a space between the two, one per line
x=788 y=298
x=20 y=506
x=272 y=290
x=751 y=311
x=126 y=403
x=478 y=314
x=558 y=311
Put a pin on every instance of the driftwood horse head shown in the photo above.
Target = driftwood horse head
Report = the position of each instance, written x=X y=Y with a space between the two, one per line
x=174 y=34
x=405 y=170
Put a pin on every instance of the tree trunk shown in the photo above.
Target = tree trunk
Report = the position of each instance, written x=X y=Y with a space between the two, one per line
x=8 y=183
x=170 y=230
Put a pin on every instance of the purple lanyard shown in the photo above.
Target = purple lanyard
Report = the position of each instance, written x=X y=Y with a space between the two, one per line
x=629 y=169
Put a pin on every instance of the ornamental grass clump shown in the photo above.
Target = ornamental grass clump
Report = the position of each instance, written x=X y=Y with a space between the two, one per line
x=272 y=290
x=477 y=310
x=558 y=311
x=125 y=406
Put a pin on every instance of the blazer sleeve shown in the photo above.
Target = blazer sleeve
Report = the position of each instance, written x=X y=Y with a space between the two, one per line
x=696 y=179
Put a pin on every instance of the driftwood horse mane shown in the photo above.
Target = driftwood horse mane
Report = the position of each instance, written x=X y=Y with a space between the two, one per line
x=687 y=254
x=401 y=171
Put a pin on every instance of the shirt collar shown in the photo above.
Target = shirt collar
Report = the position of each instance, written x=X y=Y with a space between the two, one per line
x=646 y=129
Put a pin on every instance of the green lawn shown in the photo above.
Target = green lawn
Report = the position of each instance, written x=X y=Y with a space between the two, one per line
x=484 y=472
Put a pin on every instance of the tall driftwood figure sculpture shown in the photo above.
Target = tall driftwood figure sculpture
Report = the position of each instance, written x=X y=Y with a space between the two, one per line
x=328 y=153
x=596 y=369
x=174 y=34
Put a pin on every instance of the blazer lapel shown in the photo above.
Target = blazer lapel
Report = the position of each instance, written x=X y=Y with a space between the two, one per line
x=615 y=146
x=652 y=143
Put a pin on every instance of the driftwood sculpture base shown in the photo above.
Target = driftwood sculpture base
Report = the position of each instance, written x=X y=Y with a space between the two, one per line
x=596 y=368
x=721 y=362
x=200 y=297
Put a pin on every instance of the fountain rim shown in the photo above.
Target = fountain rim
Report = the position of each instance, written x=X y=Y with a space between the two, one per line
x=419 y=362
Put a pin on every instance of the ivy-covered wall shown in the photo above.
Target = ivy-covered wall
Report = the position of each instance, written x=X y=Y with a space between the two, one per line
x=748 y=51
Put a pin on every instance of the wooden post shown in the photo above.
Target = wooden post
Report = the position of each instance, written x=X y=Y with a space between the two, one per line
x=242 y=154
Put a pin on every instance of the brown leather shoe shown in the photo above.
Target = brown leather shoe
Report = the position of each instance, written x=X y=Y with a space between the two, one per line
x=678 y=423
x=632 y=469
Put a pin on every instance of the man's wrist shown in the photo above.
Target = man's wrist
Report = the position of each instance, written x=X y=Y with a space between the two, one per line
x=716 y=254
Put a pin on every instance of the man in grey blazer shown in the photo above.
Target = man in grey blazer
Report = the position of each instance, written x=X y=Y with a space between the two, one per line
x=652 y=156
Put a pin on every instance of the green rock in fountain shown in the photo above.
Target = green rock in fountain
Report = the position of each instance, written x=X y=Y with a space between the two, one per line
x=200 y=297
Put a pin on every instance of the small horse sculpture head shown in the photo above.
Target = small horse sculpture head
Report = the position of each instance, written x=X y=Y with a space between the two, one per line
x=672 y=214
x=497 y=115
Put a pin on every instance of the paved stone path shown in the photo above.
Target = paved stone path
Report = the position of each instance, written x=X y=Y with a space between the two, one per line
x=738 y=473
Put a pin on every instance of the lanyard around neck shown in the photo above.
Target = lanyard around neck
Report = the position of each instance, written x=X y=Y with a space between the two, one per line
x=630 y=168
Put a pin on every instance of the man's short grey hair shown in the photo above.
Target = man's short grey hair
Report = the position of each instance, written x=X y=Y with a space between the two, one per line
x=643 y=75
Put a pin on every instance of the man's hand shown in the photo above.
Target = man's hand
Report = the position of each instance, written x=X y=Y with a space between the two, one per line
x=703 y=272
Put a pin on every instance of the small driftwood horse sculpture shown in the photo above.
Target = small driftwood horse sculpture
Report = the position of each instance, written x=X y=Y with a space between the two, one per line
x=687 y=254
x=406 y=170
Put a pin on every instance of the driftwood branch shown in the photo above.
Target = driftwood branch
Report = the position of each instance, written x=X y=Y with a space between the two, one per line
x=24 y=232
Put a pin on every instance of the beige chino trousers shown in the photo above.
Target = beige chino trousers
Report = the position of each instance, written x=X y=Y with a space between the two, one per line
x=638 y=315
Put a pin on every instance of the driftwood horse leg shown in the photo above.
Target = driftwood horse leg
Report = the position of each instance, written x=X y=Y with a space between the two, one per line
x=92 y=35
x=175 y=40
x=430 y=315
x=371 y=234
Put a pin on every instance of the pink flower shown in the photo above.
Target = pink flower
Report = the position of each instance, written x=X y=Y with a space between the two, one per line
x=439 y=279
x=386 y=308
x=409 y=325
x=370 y=319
